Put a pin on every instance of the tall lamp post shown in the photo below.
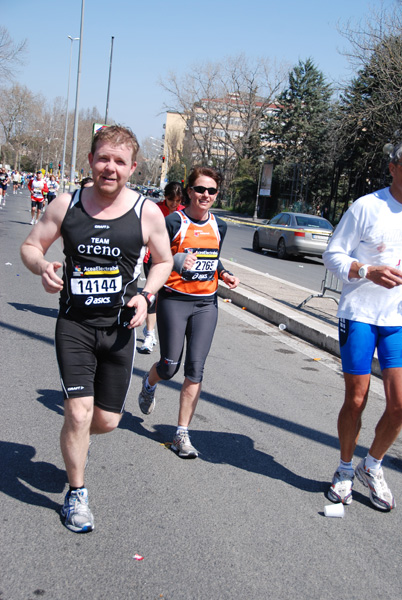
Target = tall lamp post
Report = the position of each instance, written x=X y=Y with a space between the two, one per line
x=77 y=96
x=72 y=40
x=261 y=162
x=108 y=85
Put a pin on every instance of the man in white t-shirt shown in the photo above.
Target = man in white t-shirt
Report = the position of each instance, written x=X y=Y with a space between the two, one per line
x=365 y=252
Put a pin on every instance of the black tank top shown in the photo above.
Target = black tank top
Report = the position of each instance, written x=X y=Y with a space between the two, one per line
x=103 y=260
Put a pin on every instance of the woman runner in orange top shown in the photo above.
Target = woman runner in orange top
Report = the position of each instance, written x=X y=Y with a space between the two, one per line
x=187 y=304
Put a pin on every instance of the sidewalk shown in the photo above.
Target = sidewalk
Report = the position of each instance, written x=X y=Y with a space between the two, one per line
x=277 y=302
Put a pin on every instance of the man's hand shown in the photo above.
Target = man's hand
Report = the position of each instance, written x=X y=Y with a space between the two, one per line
x=50 y=280
x=141 y=306
x=387 y=277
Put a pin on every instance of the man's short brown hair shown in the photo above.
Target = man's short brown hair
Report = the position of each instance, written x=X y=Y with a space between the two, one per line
x=117 y=135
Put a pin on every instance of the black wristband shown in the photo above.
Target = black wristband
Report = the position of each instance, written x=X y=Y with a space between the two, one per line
x=150 y=298
x=225 y=271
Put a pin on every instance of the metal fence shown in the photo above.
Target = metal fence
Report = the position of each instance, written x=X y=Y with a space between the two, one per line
x=331 y=287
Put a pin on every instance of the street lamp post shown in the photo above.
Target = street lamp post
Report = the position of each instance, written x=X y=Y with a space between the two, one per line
x=261 y=162
x=72 y=40
x=108 y=85
x=77 y=95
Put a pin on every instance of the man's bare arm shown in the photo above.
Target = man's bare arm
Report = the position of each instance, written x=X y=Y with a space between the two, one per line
x=157 y=239
x=42 y=236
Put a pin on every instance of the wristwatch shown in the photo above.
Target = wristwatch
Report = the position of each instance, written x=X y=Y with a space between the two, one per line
x=150 y=298
x=363 y=271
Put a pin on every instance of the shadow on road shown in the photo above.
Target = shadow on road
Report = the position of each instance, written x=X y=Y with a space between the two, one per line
x=29 y=334
x=19 y=467
x=52 y=399
x=38 y=310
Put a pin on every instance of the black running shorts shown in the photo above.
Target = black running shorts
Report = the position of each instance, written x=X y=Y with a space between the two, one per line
x=95 y=362
x=37 y=204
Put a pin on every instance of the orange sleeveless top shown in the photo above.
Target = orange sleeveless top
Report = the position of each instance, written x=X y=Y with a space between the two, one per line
x=203 y=239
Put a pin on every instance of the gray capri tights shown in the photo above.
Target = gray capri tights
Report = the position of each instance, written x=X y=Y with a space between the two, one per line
x=179 y=320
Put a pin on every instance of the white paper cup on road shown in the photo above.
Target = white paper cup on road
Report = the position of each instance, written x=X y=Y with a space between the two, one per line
x=334 y=510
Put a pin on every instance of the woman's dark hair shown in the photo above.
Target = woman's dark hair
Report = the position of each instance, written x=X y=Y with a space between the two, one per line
x=207 y=172
x=174 y=189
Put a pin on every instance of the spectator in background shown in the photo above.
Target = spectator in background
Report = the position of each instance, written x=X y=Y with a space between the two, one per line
x=38 y=188
x=174 y=200
x=4 y=181
x=53 y=187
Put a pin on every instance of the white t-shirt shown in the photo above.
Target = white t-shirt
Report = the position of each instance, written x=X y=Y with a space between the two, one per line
x=370 y=232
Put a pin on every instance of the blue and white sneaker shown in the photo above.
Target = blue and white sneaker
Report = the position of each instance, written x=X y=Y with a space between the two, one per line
x=380 y=494
x=76 y=513
x=341 y=487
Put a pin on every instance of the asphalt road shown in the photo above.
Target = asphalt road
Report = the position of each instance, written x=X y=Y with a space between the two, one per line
x=245 y=520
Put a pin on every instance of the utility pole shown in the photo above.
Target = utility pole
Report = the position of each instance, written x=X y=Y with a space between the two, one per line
x=77 y=95
x=110 y=75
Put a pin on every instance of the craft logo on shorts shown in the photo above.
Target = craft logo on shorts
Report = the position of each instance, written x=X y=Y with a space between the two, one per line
x=92 y=300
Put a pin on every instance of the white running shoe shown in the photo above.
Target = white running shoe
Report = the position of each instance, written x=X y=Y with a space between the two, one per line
x=76 y=513
x=183 y=446
x=380 y=494
x=341 y=487
x=149 y=342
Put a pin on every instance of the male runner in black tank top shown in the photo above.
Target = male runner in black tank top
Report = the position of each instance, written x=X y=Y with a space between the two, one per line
x=104 y=229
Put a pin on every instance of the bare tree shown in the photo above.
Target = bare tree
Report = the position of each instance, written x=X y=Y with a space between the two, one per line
x=19 y=110
x=222 y=105
x=87 y=118
x=151 y=154
x=370 y=107
x=11 y=54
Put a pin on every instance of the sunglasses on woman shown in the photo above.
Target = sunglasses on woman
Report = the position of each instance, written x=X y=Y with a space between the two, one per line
x=200 y=189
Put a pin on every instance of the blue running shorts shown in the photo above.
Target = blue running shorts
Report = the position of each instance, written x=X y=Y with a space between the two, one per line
x=358 y=342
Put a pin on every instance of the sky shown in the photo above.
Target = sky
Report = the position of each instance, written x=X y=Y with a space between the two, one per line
x=153 y=38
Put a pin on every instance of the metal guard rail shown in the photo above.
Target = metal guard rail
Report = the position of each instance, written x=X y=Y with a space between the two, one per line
x=330 y=285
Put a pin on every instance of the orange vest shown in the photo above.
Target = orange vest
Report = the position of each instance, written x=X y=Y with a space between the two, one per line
x=204 y=240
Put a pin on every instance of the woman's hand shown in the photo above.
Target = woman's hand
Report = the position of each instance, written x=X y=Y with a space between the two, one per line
x=230 y=280
x=189 y=261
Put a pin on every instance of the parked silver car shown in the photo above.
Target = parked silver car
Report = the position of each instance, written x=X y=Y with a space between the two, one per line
x=293 y=233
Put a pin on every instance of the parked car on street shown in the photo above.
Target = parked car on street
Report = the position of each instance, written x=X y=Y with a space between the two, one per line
x=293 y=234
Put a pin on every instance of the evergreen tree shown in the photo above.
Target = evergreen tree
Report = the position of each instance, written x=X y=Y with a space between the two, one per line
x=370 y=114
x=298 y=134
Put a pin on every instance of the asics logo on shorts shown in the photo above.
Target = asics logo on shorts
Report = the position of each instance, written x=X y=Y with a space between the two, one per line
x=92 y=300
